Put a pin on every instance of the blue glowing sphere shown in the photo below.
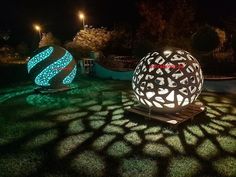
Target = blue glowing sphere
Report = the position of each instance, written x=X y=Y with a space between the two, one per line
x=52 y=67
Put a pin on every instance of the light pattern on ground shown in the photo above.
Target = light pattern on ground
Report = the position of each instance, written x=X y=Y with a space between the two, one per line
x=85 y=132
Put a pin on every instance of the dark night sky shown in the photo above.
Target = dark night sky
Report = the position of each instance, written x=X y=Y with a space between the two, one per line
x=60 y=18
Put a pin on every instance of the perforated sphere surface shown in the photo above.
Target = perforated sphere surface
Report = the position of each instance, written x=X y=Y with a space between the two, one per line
x=167 y=81
x=52 y=67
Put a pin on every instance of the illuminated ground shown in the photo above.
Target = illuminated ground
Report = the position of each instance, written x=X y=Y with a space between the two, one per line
x=84 y=132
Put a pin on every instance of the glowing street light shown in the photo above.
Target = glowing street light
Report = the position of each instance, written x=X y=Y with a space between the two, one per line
x=38 y=28
x=82 y=17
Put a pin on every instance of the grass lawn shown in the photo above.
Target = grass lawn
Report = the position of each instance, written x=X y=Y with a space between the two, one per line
x=85 y=132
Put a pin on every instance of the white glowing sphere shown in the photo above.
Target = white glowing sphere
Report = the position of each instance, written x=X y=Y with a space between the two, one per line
x=167 y=81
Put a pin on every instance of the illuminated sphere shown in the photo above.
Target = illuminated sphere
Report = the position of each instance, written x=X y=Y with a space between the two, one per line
x=52 y=67
x=167 y=81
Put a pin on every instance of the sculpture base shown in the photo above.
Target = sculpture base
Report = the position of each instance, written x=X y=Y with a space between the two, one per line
x=171 y=118
x=49 y=90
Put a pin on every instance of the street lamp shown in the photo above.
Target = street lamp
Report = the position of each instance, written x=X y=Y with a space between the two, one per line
x=38 y=28
x=82 y=17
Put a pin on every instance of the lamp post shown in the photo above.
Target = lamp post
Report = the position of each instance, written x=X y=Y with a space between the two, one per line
x=38 y=28
x=82 y=17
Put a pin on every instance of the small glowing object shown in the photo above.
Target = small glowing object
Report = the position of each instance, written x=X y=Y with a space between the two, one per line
x=166 y=52
x=52 y=67
x=81 y=16
x=167 y=89
x=37 y=27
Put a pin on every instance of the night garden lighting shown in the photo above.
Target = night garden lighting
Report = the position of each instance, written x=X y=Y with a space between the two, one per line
x=70 y=77
x=167 y=81
x=39 y=57
x=52 y=67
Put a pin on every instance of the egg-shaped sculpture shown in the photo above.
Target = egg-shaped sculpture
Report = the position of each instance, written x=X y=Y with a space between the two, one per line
x=52 y=67
x=168 y=80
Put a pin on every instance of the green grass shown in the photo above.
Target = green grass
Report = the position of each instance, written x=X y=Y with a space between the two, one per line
x=119 y=149
x=183 y=167
x=207 y=150
x=156 y=150
x=85 y=132
x=225 y=166
x=88 y=163
x=138 y=167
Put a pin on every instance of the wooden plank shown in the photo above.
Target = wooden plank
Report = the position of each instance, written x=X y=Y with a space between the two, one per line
x=166 y=117
x=172 y=118
x=145 y=114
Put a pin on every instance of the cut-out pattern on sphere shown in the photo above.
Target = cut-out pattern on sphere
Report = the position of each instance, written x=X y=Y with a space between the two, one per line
x=167 y=81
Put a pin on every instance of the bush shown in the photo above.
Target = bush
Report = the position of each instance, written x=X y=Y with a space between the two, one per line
x=23 y=49
x=142 y=48
x=205 y=39
x=8 y=55
x=48 y=39
x=233 y=43
x=120 y=42
x=93 y=39
x=77 y=51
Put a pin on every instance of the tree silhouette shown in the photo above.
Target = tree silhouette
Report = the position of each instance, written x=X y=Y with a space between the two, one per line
x=167 y=22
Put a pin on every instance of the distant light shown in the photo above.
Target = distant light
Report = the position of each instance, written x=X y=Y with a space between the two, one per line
x=37 y=27
x=81 y=16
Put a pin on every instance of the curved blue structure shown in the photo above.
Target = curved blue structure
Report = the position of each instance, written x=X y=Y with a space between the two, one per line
x=105 y=73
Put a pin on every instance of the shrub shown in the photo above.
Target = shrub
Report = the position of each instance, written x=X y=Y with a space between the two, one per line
x=8 y=54
x=233 y=43
x=205 y=39
x=120 y=42
x=93 y=39
x=142 y=48
x=48 y=39
x=23 y=49
x=77 y=51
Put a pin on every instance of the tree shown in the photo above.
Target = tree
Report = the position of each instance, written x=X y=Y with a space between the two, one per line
x=94 y=39
x=180 y=25
x=76 y=50
x=121 y=41
x=154 y=23
x=167 y=22
x=23 y=49
x=222 y=36
x=48 y=39
x=205 y=39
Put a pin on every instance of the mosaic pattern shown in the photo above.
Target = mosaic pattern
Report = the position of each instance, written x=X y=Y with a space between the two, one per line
x=49 y=72
x=52 y=67
x=39 y=57
x=71 y=76
x=167 y=81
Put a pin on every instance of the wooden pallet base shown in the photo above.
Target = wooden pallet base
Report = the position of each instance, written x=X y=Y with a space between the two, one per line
x=171 y=118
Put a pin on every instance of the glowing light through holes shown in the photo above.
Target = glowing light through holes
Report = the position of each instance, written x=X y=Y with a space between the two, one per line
x=165 y=89
x=52 y=66
x=39 y=57
x=49 y=72
x=68 y=79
